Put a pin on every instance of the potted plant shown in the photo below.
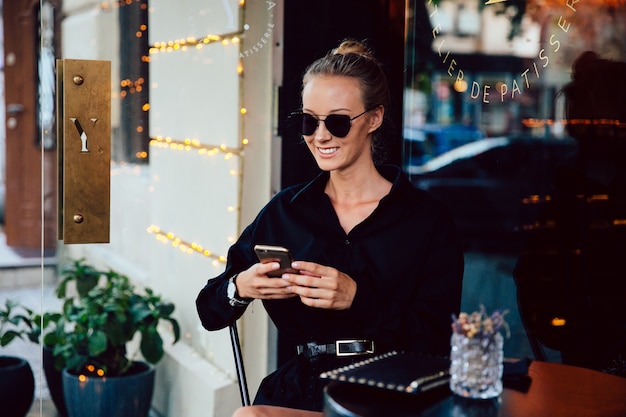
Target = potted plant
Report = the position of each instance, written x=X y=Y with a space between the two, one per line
x=49 y=328
x=17 y=384
x=105 y=312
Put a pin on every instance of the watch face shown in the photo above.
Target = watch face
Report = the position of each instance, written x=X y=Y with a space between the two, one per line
x=231 y=289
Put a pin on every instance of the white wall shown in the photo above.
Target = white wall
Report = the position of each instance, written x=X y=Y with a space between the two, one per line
x=195 y=94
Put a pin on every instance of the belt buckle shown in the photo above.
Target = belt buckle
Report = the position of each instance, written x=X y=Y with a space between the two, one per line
x=338 y=343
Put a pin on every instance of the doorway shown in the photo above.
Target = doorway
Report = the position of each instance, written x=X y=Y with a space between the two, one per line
x=30 y=168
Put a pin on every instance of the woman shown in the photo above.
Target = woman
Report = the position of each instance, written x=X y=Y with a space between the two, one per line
x=376 y=259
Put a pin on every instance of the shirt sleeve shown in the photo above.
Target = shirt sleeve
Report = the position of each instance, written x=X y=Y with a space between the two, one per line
x=212 y=304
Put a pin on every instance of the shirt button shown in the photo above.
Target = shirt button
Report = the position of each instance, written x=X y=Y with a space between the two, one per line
x=347 y=242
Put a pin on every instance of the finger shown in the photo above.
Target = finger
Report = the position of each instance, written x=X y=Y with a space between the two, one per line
x=311 y=281
x=320 y=303
x=278 y=296
x=274 y=293
x=322 y=292
x=310 y=274
x=263 y=283
x=311 y=292
x=266 y=268
x=314 y=302
x=312 y=268
x=271 y=288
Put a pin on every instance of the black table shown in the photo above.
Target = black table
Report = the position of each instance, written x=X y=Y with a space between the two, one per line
x=554 y=390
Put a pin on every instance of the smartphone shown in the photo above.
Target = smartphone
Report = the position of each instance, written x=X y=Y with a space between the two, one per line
x=267 y=253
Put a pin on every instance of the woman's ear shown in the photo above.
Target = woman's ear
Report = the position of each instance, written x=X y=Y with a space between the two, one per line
x=377 y=115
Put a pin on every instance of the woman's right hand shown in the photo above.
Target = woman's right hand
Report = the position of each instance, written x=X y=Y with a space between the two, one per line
x=254 y=283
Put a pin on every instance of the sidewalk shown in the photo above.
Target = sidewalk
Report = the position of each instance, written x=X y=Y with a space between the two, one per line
x=43 y=408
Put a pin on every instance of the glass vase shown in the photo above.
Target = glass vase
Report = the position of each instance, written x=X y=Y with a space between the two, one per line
x=476 y=366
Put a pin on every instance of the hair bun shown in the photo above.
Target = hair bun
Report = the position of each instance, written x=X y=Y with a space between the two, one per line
x=354 y=47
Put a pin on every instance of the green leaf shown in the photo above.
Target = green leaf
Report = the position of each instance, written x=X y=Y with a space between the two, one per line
x=21 y=318
x=140 y=311
x=52 y=339
x=67 y=306
x=34 y=335
x=151 y=345
x=175 y=328
x=74 y=362
x=61 y=289
x=8 y=337
x=50 y=318
x=166 y=309
x=86 y=283
x=97 y=343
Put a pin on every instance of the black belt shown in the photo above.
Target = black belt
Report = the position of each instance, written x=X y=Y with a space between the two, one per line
x=352 y=347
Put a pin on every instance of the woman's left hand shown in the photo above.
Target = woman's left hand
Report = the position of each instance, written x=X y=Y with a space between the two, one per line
x=322 y=286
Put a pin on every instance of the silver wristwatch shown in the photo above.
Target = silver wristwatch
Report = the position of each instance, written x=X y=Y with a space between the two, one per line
x=233 y=297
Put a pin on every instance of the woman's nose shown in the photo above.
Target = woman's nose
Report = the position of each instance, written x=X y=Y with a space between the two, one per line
x=321 y=133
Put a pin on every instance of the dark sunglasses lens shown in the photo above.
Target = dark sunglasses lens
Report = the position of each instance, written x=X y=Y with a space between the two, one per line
x=309 y=124
x=338 y=124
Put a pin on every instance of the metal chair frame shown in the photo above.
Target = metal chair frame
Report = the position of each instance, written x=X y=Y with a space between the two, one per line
x=241 y=372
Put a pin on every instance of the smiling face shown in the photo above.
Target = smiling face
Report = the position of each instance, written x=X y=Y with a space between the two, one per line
x=324 y=95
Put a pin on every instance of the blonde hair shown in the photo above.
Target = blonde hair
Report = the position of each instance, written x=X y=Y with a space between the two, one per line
x=353 y=47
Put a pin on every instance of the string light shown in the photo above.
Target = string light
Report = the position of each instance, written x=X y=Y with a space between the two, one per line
x=184 y=44
x=131 y=87
x=184 y=246
x=194 y=144
x=188 y=145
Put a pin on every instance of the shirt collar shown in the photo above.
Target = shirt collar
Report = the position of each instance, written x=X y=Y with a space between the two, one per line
x=400 y=184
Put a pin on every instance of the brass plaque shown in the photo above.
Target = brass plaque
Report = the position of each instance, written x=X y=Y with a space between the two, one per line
x=84 y=122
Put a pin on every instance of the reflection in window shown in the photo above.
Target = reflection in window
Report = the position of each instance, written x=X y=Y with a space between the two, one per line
x=484 y=126
x=133 y=139
x=479 y=69
x=47 y=78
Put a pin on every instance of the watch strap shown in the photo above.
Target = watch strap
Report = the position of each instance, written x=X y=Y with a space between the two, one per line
x=235 y=300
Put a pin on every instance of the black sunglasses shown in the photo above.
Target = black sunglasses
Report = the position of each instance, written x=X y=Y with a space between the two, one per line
x=337 y=124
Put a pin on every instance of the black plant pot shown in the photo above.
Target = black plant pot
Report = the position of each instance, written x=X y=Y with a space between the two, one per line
x=125 y=396
x=54 y=379
x=17 y=386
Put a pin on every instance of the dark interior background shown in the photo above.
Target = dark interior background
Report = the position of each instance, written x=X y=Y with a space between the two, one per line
x=310 y=32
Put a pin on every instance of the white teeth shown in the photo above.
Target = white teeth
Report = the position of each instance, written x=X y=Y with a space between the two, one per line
x=327 y=150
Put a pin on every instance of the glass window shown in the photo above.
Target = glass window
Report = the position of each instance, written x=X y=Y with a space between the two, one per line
x=485 y=129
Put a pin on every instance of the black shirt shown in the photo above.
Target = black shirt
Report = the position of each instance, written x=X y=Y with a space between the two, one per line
x=405 y=259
